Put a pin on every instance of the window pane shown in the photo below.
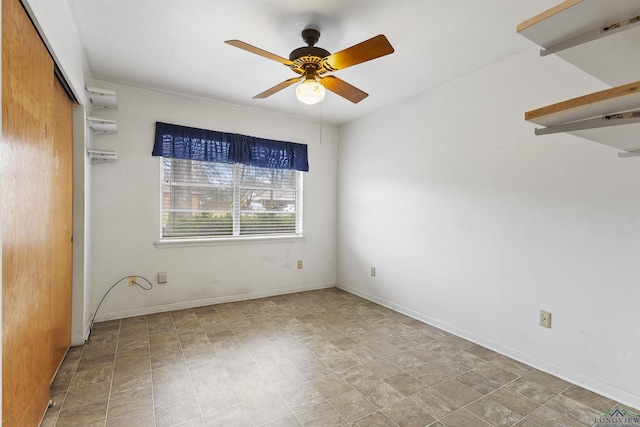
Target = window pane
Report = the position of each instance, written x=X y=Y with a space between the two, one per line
x=197 y=198
x=196 y=172
x=264 y=189
x=202 y=199
x=254 y=177
x=267 y=200
x=197 y=224
x=262 y=223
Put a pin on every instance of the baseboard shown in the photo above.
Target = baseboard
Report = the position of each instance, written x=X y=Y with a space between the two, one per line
x=572 y=377
x=143 y=311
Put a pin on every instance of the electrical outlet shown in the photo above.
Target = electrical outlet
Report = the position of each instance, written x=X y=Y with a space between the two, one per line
x=299 y=264
x=132 y=280
x=373 y=271
x=162 y=277
x=545 y=319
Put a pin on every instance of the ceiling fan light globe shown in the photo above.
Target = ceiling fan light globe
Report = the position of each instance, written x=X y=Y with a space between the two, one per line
x=310 y=92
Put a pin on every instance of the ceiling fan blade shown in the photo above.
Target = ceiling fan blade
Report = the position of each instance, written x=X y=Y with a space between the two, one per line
x=362 y=52
x=343 y=89
x=277 y=88
x=258 y=51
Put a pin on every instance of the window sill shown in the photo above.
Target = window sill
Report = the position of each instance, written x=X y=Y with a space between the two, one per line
x=184 y=243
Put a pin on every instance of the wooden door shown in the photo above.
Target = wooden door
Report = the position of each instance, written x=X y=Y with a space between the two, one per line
x=30 y=163
x=61 y=243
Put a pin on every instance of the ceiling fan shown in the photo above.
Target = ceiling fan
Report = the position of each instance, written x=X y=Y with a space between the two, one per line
x=312 y=63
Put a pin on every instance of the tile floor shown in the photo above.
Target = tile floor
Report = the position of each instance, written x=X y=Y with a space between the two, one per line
x=319 y=358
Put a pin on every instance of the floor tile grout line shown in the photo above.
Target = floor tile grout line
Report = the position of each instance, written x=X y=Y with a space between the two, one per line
x=253 y=359
x=223 y=365
x=153 y=399
x=113 y=372
x=279 y=392
x=307 y=381
x=326 y=400
x=522 y=417
x=188 y=371
x=66 y=391
x=484 y=396
x=336 y=373
x=290 y=408
x=371 y=413
x=355 y=388
x=545 y=404
x=446 y=379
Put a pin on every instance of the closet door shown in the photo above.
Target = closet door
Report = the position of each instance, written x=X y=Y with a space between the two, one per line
x=27 y=201
x=61 y=244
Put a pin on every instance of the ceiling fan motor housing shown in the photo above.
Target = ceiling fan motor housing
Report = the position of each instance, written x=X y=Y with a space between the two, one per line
x=310 y=37
x=305 y=51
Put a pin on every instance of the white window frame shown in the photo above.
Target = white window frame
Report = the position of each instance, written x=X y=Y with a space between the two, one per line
x=236 y=238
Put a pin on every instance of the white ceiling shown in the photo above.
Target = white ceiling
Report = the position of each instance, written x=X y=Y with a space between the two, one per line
x=178 y=46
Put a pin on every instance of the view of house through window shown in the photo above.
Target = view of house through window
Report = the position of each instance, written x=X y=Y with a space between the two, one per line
x=208 y=200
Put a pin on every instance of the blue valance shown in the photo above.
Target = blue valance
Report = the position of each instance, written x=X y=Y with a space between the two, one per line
x=182 y=142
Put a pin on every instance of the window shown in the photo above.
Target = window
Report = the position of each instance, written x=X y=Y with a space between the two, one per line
x=218 y=184
x=203 y=199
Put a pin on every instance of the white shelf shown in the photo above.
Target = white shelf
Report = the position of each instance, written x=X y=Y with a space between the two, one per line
x=102 y=156
x=613 y=58
x=615 y=100
x=601 y=38
x=102 y=98
x=587 y=117
x=99 y=125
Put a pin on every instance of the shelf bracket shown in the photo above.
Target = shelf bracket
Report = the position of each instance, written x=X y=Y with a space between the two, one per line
x=102 y=156
x=617 y=119
x=607 y=30
x=99 y=125
x=102 y=98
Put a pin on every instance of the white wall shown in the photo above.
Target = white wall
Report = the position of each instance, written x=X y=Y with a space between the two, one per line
x=478 y=224
x=125 y=216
